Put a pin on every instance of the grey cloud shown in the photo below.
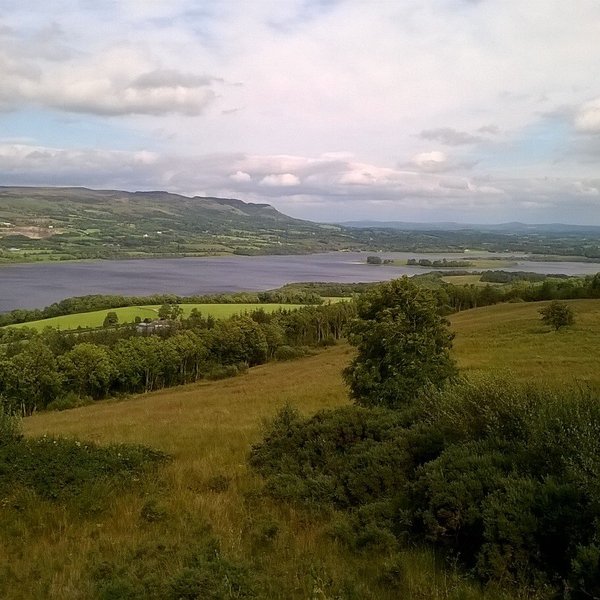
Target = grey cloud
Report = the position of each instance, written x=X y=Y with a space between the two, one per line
x=170 y=78
x=491 y=129
x=449 y=136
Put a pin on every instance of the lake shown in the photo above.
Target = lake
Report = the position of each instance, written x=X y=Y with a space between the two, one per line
x=38 y=285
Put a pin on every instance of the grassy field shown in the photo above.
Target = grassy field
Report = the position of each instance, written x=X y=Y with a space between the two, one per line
x=208 y=428
x=511 y=338
x=127 y=314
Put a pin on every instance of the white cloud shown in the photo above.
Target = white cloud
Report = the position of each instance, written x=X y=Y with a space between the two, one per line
x=240 y=176
x=342 y=102
x=435 y=160
x=587 y=118
x=280 y=180
x=118 y=80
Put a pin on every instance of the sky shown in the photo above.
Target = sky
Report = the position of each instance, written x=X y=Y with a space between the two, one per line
x=476 y=111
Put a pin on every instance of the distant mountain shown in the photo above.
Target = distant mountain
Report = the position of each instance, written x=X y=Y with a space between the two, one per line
x=512 y=227
x=66 y=223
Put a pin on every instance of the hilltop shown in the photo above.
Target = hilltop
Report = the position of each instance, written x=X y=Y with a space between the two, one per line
x=68 y=223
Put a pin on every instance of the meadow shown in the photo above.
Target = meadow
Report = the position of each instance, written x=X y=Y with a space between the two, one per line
x=51 y=550
x=127 y=314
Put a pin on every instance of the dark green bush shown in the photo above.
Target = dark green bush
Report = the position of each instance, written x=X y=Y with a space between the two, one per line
x=504 y=477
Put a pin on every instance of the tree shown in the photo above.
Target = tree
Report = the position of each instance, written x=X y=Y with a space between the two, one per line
x=88 y=369
x=164 y=312
x=111 y=319
x=30 y=379
x=403 y=345
x=557 y=314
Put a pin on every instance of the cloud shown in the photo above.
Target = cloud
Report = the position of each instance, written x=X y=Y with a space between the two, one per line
x=122 y=79
x=450 y=137
x=280 y=180
x=491 y=129
x=587 y=119
x=318 y=188
x=240 y=176
x=326 y=122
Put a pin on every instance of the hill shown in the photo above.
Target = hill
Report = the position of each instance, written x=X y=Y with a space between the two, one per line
x=46 y=223
x=208 y=489
x=67 y=223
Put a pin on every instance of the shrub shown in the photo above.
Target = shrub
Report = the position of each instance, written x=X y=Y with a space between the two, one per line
x=503 y=476
x=55 y=468
x=289 y=352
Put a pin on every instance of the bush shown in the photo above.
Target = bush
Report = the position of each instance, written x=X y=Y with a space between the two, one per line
x=55 y=468
x=506 y=477
x=70 y=400
x=290 y=352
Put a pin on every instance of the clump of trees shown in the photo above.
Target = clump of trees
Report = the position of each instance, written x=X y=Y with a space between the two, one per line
x=60 y=369
x=438 y=263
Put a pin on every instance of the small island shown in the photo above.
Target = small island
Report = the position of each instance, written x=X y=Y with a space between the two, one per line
x=443 y=263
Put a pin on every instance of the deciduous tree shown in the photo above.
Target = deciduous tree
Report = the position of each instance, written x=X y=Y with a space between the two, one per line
x=403 y=345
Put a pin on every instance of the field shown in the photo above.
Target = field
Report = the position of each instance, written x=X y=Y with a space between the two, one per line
x=512 y=339
x=127 y=314
x=208 y=428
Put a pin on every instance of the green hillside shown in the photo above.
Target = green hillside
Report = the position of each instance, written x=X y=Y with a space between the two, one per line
x=115 y=547
x=512 y=338
x=74 y=223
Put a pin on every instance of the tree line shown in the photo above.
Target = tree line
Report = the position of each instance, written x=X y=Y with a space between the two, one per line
x=93 y=302
x=60 y=369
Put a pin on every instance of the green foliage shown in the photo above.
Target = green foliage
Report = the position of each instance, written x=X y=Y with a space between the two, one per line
x=10 y=426
x=111 y=319
x=88 y=369
x=30 y=379
x=204 y=574
x=285 y=352
x=403 y=345
x=504 y=477
x=557 y=314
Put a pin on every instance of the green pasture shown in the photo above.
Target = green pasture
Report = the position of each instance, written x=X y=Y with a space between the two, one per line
x=127 y=314
x=511 y=339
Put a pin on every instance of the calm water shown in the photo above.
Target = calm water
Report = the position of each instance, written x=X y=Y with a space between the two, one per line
x=38 y=285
